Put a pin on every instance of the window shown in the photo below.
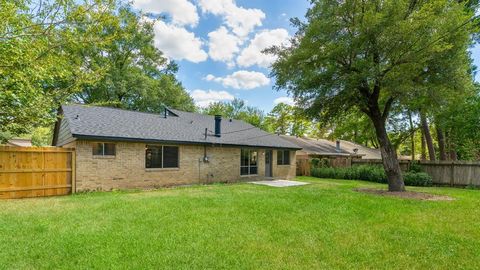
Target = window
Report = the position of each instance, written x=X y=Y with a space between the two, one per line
x=283 y=157
x=104 y=149
x=159 y=156
x=248 y=162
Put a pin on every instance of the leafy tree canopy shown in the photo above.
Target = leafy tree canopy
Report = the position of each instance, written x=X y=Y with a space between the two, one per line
x=237 y=109
x=289 y=120
x=372 y=56
x=91 y=51
x=36 y=72
x=133 y=73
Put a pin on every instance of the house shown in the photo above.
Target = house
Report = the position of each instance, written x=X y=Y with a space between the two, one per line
x=330 y=149
x=19 y=142
x=116 y=148
x=319 y=148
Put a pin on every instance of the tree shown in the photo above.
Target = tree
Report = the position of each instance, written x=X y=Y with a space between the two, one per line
x=36 y=73
x=461 y=123
x=373 y=56
x=353 y=127
x=280 y=118
x=288 y=120
x=132 y=72
x=427 y=135
x=412 y=134
x=237 y=109
x=91 y=51
x=441 y=143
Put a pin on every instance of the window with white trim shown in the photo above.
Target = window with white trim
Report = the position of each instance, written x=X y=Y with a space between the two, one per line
x=103 y=149
x=248 y=162
x=161 y=156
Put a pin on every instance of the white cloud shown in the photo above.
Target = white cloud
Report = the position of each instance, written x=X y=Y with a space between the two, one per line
x=183 y=12
x=241 y=79
x=223 y=45
x=241 y=20
x=252 y=54
x=204 y=98
x=286 y=100
x=178 y=43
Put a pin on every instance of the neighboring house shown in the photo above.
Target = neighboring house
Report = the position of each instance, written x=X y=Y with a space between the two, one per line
x=331 y=149
x=365 y=152
x=118 y=148
x=321 y=148
x=361 y=150
x=19 y=142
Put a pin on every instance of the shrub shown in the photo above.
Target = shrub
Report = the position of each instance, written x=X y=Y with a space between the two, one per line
x=362 y=172
x=372 y=174
x=417 y=179
x=415 y=167
x=315 y=162
x=320 y=163
x=324 y=162
x=323 y=172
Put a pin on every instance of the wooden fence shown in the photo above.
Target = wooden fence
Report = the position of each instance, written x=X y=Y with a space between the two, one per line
x=303 y=166
x=36 y=171
x=461 y=173
x=404 y=164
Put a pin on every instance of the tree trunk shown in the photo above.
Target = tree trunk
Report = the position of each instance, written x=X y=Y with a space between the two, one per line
x=452 y=153
x=412 y=135
x=441 y=143
x=389 y=155
x=428 y=136
x=424 y=148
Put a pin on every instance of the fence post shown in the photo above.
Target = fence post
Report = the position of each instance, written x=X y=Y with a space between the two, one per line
x=43 y=172
x=452 y=175
x=74 y=177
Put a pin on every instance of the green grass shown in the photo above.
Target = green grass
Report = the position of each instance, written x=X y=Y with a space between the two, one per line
x=322 y=225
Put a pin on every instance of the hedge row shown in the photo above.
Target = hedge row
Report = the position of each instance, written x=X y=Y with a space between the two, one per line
x=372 y=174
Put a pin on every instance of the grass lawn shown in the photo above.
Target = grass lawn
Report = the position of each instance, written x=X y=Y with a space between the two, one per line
x=322 y=225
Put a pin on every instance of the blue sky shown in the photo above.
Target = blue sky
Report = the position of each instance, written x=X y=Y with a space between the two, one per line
x=217 y=45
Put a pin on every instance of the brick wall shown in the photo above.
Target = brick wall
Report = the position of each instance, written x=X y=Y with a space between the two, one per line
x=127 y=168
x=284 y=171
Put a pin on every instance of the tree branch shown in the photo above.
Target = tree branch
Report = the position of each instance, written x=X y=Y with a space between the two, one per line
x=386 y=109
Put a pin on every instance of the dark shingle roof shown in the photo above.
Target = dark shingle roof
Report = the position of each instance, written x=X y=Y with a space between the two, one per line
x=91 y=122
x=317 y=146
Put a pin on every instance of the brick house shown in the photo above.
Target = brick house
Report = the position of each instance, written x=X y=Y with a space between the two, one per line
x=118 y=148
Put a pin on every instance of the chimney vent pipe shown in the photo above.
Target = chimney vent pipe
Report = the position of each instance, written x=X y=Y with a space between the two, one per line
x=218 y=125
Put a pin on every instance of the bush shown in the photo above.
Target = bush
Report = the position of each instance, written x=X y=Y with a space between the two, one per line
x=417 y=179
x=372 y=174
x=315 y=162
x=415 y=167
x=324 y=163
x=363 y=172
x=320 y=163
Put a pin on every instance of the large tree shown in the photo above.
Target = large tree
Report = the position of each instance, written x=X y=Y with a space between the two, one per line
x=237 y=109
x=461 y=122
x=131 y=72
x=36 y=71
x=375 y=55
x=91 y=51
x=288 y=120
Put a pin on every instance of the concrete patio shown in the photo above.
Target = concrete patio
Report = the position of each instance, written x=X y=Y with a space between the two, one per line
x=279 y=183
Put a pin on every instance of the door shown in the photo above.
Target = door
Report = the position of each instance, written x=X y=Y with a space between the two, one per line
x=268 y=163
